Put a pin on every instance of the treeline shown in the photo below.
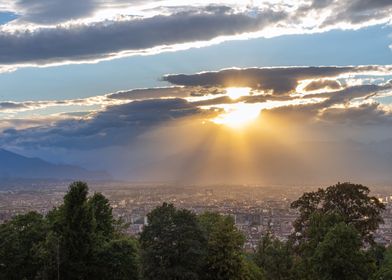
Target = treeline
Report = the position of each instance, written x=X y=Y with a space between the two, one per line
x=80 y=239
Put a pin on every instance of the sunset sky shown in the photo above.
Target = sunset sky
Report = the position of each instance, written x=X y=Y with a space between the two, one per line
x=273 y=91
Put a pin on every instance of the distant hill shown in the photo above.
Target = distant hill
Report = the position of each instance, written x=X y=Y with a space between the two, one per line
x=13 y=165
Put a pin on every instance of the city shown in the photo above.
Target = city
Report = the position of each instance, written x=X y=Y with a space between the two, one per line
x=256 y=209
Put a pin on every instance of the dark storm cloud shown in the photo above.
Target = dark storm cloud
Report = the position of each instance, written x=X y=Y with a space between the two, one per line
x=105 y=39
x=116 y=125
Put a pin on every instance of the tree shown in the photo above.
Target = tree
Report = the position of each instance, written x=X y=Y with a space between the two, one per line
x=77 y=240
x=103 y=216
x=172 y=244
x=349 y=201
x=339 y=255
x=274 y=258
x=385 y=270
x=76 y=243
x=19 y=239
x=118 y=260
x=253 y=271
x=224 y=255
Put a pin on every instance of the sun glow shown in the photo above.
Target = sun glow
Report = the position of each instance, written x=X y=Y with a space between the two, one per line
x=237 y=92
x=238 y=116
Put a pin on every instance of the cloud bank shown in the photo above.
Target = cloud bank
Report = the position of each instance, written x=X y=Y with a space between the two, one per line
x=317 y=123
x=57 y=31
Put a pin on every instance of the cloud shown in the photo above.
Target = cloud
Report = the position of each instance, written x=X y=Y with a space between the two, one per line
x=51 y=32
x=102 y=40
x=54 y=11
x=115 y=125
x=116 y=98
x=149 y=93
x=358 y=11
x=60 y=11
x=364 y=114
x=122 y=116
x=12 y=107
x=169 y=133
x=322 y=84
x=280 y=80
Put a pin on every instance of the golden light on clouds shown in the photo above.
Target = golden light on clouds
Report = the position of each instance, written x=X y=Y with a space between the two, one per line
x=237 y=92
x=238 y=115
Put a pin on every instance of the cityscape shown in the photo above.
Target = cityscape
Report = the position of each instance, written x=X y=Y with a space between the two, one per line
x=196 y=140
x=256 y=209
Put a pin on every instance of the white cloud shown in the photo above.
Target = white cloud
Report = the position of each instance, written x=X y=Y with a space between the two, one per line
x=50 y=32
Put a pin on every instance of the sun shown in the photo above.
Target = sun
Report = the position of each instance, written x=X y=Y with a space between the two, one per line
x=238 y=115
x=237 y=92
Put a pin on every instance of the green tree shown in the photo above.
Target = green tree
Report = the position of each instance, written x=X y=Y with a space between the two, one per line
x=350 y=201
x=19 y=239
x=253 y=271
x=118 y=260
x=339 y=255
x=224 y=255
x=274 y=257
x=172 y=244
x=77 y=235
x=80 y=239
x=385 y=269
x=103 y=216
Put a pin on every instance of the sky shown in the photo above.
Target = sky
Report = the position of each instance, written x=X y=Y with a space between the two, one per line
x=205 y=92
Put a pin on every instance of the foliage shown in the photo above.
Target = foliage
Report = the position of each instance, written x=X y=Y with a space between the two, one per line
x=80 y=239
x=253 y=271
x=118 y=260
x=18 y=241
x=104 y=222
x=172 y=244
x=339 y=255
x=349 y=201
x=274 y=257
x=385 y=270
x=224 y=255
x=77 y=240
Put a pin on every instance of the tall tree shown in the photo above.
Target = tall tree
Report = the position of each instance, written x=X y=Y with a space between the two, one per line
x=224 y=255
x=172 y=244
x=384 y=271
x=339 y=255
x=118 y=259
x=350 y=201
x=274 y=257
x=103 y=216
x=77 y=236
x=19 y=239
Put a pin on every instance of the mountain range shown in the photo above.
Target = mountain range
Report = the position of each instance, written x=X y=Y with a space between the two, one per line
x=16 y=166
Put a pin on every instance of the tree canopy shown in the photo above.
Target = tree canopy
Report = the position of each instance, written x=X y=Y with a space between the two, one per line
x=349 y=201
x=80 y=239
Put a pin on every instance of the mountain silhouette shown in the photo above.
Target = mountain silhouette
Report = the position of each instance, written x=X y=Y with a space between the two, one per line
x=13 y=165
